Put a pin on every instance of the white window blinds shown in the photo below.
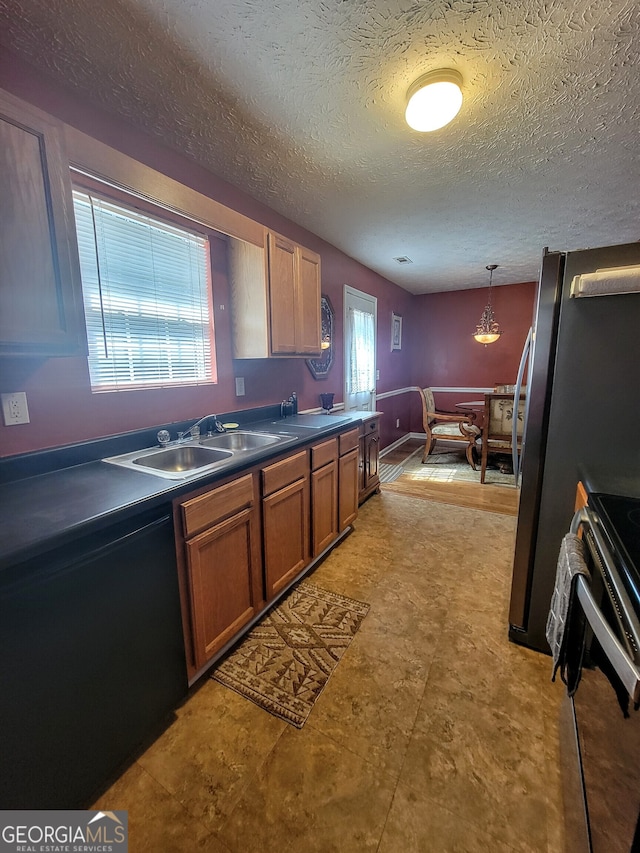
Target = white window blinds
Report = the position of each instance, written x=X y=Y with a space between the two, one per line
x=147 y=298
x=362 y=351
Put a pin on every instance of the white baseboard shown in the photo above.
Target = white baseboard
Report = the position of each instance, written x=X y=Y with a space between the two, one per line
x=402 y=440
x=453 y=445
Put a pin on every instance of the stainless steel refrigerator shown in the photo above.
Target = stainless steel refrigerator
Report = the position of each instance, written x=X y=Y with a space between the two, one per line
x=582 y=415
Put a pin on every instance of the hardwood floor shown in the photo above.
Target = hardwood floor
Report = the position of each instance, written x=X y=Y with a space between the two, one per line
x=487 y=497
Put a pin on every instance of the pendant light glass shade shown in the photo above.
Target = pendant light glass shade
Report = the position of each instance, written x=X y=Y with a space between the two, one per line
x=434 y=100
x=488 y=331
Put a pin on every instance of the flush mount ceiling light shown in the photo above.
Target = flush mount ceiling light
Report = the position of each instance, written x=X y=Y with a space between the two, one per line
x=434 y=99
x=488 y=331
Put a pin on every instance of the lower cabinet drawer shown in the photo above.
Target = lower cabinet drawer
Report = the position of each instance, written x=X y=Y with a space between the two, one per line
x=349 y=440
x=324 y=453
x=204 y=510
x=282 y=473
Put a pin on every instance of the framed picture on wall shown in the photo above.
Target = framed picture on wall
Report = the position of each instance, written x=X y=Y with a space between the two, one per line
x=396 y=331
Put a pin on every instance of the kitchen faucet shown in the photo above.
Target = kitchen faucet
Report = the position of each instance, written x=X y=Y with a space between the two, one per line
x=164 y=438
x=196 y=426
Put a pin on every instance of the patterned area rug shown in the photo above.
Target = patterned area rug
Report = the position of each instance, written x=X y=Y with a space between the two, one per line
x=284 y=662
x=448 y=466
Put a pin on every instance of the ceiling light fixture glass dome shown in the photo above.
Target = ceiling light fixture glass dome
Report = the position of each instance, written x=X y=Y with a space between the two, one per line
x=434 y=100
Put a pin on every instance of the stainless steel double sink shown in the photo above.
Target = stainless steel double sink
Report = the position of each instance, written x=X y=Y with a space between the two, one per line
x=190 y=459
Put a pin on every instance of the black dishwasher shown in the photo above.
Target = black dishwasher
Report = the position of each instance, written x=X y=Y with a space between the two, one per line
x=91 y=660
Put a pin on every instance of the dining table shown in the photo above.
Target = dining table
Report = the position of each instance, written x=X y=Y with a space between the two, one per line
x=471 y=405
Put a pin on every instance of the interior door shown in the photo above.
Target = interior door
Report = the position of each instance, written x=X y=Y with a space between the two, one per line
x=360 y=313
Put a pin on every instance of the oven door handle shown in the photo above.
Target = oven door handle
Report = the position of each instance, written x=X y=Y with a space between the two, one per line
x=626 y=669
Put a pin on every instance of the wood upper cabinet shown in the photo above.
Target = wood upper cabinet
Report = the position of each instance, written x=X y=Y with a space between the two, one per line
x=40 y=288
x=275 y=296
x=294 y=298
x=222 y=553
x=285 y=520
x=308 y=332
x=282 y=295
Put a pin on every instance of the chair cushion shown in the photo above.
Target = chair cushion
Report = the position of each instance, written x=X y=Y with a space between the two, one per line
x=501 y=416
x=452 y=430
x=429 y=401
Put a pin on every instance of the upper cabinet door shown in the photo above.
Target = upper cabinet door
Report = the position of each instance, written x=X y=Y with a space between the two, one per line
x=40 y=291
x=276 y=306
x=282 y=294
x=308 y=283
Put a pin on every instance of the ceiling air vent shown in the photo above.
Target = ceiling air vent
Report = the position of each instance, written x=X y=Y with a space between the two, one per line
x=403 y=259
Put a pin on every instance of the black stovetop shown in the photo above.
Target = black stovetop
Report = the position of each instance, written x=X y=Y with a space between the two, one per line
x=620 y=517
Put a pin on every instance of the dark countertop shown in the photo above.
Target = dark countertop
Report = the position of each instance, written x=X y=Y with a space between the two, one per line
x=50 y=509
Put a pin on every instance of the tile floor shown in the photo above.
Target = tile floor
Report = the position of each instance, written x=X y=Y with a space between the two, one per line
x=433 y=735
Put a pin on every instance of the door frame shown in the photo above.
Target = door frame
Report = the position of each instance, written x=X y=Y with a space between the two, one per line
x=349 y=291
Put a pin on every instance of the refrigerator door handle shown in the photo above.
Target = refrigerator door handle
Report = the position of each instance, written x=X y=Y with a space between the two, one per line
x=516 y=405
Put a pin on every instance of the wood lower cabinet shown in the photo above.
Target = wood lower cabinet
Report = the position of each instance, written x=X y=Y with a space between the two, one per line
x=222 y=551
x=285 y=520
x=348 y=478
x=324 y=495
x=40 y=293
x=240 y=544
x=369 y=458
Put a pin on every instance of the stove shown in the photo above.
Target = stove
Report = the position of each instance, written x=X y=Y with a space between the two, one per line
x=620 y=519
x=606 y=754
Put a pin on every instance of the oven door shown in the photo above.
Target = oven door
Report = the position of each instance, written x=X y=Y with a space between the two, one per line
x=606 y=722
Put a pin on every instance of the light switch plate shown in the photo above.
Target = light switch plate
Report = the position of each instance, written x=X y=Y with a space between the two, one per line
x=239 y=386
x=14 y=408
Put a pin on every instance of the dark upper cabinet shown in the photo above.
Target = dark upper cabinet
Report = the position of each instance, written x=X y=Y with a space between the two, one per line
x=40 y=289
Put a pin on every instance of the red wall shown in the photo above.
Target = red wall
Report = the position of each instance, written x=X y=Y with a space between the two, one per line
x=444 y=351
x=62 y=408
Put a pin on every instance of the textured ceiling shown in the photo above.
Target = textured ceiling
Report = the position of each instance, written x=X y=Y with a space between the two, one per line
x=301 y=104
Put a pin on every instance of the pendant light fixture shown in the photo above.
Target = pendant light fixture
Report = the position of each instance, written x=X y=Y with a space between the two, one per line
x=488 y=331
x=434 y=100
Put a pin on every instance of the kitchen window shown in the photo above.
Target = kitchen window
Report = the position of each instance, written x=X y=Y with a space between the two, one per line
x=147 y=297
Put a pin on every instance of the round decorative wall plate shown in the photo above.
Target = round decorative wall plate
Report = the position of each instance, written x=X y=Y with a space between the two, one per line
x=320 y=366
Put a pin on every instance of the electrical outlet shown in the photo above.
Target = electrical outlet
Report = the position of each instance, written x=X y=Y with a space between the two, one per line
x=239 y=386
x=397 y=423
x=14 y=408
x=377 y=374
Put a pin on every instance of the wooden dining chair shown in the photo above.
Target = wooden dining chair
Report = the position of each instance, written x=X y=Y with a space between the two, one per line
x=448 y=426
x=497 y=434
